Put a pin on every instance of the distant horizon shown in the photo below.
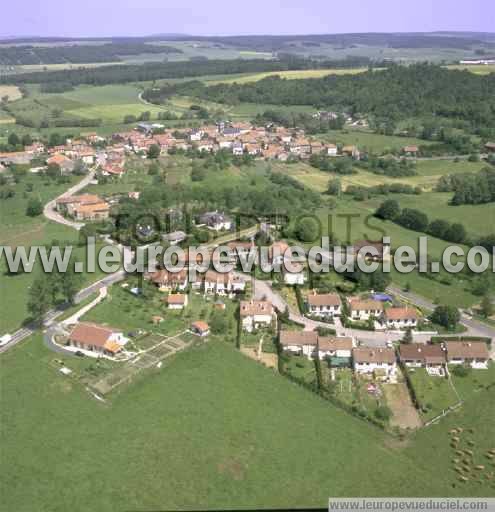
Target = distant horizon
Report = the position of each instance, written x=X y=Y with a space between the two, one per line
x=202 y=36
x=128 y=18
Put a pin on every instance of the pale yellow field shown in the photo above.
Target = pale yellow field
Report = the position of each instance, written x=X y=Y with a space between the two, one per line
x=11 y=91
x=318 y=180
x=248 y=53
x=478 y=69
x=291 y=75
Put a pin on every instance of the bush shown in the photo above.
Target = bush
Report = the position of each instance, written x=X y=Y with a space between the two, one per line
x=461 y=370
x=383 y=413
x=34 y=208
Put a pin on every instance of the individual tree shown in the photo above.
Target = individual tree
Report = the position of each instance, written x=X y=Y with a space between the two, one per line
x=307 y=230
x=383 y=413
x=27 y=140
x=13 y=139
x=487 y=308
x=334 y=187
x=439 y=228
x=408 y=336
x=388 y=210
x=39 y=298
x=154 y=151
x=446 y=316
x=456 y=233
x=218 y=323
x=79 y=168
x=34 y=207
x=413 y=219
x=69 y=283
x=53 y=170
x=129 y=119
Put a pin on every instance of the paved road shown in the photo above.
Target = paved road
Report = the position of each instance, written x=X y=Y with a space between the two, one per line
x=50 y=211
x=474 y=327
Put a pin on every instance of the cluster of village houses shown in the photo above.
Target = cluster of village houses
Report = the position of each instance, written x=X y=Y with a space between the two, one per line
x=382 y=363
x=270 y=142
x=241 y=138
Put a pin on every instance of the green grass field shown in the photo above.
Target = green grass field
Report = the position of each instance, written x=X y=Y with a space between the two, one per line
x=136 y=452
x=434 y=393
x=20 y=230
x=204 y=406
x=366 y=227
x=477 y=219
x=428 y=174
x=110 y=103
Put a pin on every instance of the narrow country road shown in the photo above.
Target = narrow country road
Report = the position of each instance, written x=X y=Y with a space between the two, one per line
x=50 y=209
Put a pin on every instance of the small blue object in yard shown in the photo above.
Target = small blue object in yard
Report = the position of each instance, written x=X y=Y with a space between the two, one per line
x=382 y=297
x=135 y=291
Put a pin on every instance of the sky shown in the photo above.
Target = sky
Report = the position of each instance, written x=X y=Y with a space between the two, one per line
x=97 y=18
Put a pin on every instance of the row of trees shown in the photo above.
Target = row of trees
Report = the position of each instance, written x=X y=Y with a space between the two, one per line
x=116 y=74
x=417 y=220
x=16 y=55
x=50 y=290
x=389 y=167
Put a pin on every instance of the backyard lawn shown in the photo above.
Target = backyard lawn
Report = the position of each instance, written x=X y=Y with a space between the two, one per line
x=434 y=393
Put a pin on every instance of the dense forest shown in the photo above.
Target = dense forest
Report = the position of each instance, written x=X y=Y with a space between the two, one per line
x=182 y=69
x=394 y=94
x=76 y=54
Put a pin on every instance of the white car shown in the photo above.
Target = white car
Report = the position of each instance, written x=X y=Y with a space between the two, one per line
x=6 y=338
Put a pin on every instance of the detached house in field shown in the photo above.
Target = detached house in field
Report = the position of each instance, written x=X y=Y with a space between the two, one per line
x=410 y=150
x=325 y=305
x=177 y=301
x=216 y=221
x=364 y=309
x=472 y=353
x=401 y=318
x=255 y=314
x=379 y=362
x=418 y=355
x=97 y=338
x=200 y=328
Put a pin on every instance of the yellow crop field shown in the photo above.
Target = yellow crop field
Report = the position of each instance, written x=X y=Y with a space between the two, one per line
x=11 y=91
x=291 y=75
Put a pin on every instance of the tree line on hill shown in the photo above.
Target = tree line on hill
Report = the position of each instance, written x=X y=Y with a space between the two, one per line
x=392 y=95
x=416 y=220
x=18 y=55
x=117 y=74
